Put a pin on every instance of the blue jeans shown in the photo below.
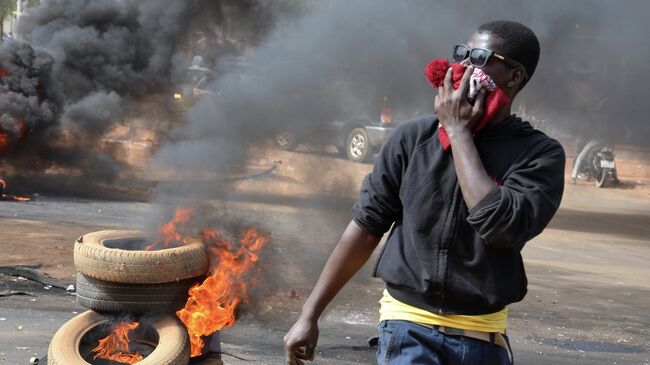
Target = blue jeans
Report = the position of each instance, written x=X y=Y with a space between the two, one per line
x=408 y=343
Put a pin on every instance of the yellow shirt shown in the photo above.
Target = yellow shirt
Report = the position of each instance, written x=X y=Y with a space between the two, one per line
x=393 y=309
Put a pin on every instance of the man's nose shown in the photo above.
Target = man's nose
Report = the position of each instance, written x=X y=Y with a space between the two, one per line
x=465 y=62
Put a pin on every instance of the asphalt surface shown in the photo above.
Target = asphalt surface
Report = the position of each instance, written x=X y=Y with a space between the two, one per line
x=589 y=280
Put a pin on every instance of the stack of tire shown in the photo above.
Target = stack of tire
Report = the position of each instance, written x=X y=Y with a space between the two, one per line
x=112 y=280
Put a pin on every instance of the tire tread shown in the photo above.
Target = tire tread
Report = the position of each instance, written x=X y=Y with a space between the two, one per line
x=91 y=258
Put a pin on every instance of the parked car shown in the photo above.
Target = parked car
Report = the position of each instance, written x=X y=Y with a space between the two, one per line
x=197 y=81
x=358 y=137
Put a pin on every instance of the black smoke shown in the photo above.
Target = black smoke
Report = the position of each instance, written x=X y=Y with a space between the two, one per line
x=103 y=56
x=343 y=58
x=338 y=61
x=107 y=45
x=590 y=80
x=30 y=98
x=96 y=61
x=305 y=65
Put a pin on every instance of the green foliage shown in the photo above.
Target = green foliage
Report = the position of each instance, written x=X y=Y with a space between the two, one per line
x=6 y=8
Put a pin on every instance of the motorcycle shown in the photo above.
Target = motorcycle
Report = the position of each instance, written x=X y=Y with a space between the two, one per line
x=601 y=168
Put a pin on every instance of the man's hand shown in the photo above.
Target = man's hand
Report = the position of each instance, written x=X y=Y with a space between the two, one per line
x=455 y=112
x=349 y=255
x=300 y=342
x=458 y=116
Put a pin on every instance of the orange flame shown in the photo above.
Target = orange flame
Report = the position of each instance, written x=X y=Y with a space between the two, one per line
x=4 y=141
x=169 y=232
x=21 y=128
x=115 y=346
x=211 y=305
x=14 y=197
x=7 y=138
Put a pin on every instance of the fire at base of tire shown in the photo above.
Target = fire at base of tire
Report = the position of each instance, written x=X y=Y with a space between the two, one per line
x=211 y=305
x=112 y=282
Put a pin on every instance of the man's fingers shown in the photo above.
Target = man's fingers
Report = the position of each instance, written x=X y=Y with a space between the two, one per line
x=473 y=85
x=310 y=353
x=295 y=353
x=447 y=83
x=289 y=356
x=290 y=349
x=464 y=82
x=478 y=104
x=299 y=352
x=305 y=353
x=293 y=357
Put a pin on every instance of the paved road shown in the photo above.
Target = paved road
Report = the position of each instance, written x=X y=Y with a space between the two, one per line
x=589 y=280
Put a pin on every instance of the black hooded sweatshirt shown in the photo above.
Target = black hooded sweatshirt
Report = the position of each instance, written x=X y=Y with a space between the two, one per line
x=440 y=256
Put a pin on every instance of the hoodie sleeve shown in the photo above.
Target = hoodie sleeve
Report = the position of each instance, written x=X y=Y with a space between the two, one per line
x=379 y=203
x=514 y=213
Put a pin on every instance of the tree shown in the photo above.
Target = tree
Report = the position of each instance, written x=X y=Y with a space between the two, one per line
x=7 y=8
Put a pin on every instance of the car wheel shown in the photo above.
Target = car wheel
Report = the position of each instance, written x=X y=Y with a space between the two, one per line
x=173 y=346
x=358 y=147
x=96 y=255
x=286 y=141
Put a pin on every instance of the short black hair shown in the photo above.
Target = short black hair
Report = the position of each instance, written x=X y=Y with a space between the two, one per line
x=519 y=42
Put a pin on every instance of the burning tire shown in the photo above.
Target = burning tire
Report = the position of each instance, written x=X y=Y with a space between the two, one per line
x=172 y=347
x=102 y=255
x=108 y=297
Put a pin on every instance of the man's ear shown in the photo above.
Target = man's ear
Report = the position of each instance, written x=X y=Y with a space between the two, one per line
x=517 y=78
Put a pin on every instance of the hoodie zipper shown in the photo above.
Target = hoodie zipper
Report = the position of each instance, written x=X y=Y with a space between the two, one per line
x=448 y=234
x=446 y=242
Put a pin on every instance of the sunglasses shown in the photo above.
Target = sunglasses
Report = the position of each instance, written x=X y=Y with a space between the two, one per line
x=479 y=57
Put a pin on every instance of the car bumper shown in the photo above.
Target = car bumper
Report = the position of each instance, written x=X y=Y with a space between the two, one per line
x=377 y=135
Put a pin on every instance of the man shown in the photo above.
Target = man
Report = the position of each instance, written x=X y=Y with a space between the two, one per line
x=459 y=219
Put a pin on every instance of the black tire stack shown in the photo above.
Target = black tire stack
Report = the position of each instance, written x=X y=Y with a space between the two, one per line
x=118 y=281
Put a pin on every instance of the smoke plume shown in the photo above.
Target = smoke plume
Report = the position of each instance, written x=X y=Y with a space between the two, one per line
x=105 y=45
x=342 y=59
x=587 y=84
x=29 y=97
x=100 y=56
x=338 y=62
x=92 y=61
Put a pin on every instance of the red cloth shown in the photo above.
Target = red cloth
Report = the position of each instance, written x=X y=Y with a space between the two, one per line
x=494 y=99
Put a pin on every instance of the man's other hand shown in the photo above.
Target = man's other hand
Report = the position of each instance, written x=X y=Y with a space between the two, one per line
x=300 y=342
